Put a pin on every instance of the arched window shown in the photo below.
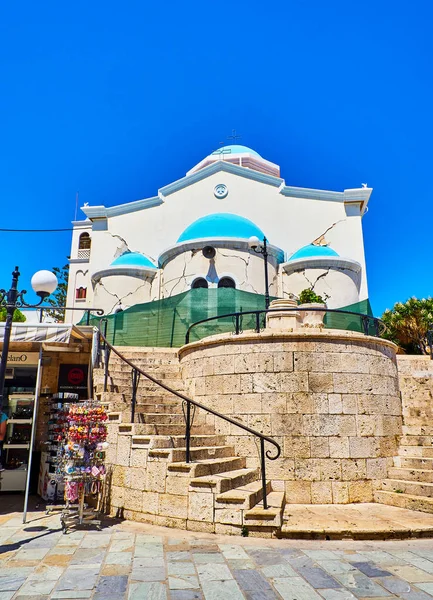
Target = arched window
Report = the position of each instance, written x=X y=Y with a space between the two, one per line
x=84 y=244
x=200 y=282
x=226 y=282
x=81 y=293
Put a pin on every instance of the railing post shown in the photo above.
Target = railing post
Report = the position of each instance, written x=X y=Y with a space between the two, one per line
x=237 y=328
x=188 y=430
x=376 y=327
x=187 y=336
x=106 y=359
x=263 y=469
x=364 y=319
x=134 y=374
x=257 y=322
x=88 y=317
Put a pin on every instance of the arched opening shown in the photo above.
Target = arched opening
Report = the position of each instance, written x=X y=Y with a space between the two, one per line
x=81 y=293
x=84 y=244
x=226 y=282
x=200 y=282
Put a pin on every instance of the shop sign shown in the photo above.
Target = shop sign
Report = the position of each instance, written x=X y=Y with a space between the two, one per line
x=23 y=359
x=73 y=378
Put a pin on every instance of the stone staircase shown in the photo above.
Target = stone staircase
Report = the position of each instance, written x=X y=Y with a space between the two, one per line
x=151 y=481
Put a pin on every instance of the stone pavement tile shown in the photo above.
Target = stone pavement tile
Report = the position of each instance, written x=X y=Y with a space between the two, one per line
x=370 y=569
x=422 y=563
x=301 y=562
x=88 y=556
x=148 y=574
x=216 y=572
x=48 y=572
x=69 y=539
x=16 y=572
x=12 y=583
x=44 y=541
x=336 y=566
x=150 y=550
x=58 y=560
x=208 y=558
x=95 y=541
x=181 y=568
x=186 y=595
x=6 y=595
x=148 y=591
x=204 y=548
x=264 y=556
x=72 y=595
x=410 y=573
x=426 y=587
x=424 y=553
x=337 y=595
x=221 y=590
x=379 y=556
x=230 y=551
x=141 y=539
x=360 y=585
x=284 y=570
x=38 y=597
x=78 y=579
x=394 y=584
x=183 y=581
x=122 y=545
x=260 y=595
x=415 y=595
x=118 y=558
x=123 y=535
x=115 y=570
x=33 y=587
x=31 y=554
x=146 y=562
x=318 y=578
x=321 y=554
x=240 y=564
x=105 y=596
x=295 y=588
x=251 y=581
x=62 y=550
x=112 y=585
x=178 y=555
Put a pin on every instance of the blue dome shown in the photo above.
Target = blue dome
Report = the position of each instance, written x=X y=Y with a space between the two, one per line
x=132 y=259
x=236 y=149
x=311 y=251
x=221 y=225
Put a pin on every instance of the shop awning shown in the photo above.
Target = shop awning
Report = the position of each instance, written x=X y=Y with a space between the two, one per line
x=43 y=332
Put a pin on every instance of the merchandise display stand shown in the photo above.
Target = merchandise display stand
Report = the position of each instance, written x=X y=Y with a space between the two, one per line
x=79 y=462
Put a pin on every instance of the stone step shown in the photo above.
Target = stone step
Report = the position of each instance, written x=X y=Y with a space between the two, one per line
x=199 y=453
x=209 y=466
x=122 y=375
x=155 y=370
x=414 y=462
x=413 y=488
x=272 y=516
x=411 y=502
x=416 y=451
x=244 y=497
x=199 y=440
x=406 y=474
x=160 y=408
x=142 y=391
x=173 y=429
x=163 y=418
x=224 y=481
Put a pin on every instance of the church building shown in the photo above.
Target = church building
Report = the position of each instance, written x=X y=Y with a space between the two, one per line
x=195 y=233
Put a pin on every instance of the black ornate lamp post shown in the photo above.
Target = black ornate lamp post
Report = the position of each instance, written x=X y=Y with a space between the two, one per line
x=43 y=283
x=262 y=248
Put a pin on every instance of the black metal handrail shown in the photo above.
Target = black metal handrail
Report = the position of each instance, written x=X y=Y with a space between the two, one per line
x=186 y=403
x=237 y=316
x=98 y=311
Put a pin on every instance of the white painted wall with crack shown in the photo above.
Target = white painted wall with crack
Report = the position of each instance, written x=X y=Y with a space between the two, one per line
x=153 y=248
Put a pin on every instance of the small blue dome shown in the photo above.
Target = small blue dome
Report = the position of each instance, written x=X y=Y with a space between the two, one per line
x=236 y=149
x=311 y=251
x=221 y=225
x=132 y=259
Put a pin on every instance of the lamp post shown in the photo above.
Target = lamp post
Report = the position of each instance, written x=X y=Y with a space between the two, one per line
x=262 y=248
x=43 y=283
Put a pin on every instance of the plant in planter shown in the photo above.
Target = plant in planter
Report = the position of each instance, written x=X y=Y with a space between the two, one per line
x=309 y=299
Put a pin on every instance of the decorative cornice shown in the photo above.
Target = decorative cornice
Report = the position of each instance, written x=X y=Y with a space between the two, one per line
x=321 y=262
x=93 y=212
x=127 y=270
x=349 y=196
x=216 y=167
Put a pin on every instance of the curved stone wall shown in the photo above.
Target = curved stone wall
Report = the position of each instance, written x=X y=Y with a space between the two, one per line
x=330 y=398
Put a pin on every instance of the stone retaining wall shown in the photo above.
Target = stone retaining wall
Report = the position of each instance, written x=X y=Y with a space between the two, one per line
x=330 y=398
x=416 y=385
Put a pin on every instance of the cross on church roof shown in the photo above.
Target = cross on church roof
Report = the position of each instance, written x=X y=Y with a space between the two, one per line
x=234 y=136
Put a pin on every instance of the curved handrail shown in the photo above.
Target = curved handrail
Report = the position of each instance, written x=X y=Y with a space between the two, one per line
x=364 y=318
x=189 y=402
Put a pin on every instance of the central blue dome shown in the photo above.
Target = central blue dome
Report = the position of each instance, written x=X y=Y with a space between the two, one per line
x=132 y=259
x=236 y=149
x=221 y=225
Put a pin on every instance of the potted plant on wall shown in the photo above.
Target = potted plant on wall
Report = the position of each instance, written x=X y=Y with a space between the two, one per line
x=309 y=299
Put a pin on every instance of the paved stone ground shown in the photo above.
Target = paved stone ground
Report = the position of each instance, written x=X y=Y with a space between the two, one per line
x=141 y=562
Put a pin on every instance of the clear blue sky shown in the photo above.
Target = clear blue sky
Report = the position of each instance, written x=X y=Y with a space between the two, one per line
x=118 y=99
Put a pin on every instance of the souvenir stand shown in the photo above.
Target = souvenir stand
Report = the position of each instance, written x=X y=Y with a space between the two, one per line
x=81 y=460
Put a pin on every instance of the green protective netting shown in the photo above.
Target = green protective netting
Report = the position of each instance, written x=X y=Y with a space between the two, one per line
x=164 y=323
x=351 y=322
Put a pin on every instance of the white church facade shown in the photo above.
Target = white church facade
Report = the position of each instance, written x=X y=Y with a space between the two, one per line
x=194 y=234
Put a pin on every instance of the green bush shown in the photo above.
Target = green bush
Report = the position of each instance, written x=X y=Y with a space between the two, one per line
x=17 y=318
x=309 y=297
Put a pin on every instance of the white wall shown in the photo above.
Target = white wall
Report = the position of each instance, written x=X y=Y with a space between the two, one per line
x=338 y=288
